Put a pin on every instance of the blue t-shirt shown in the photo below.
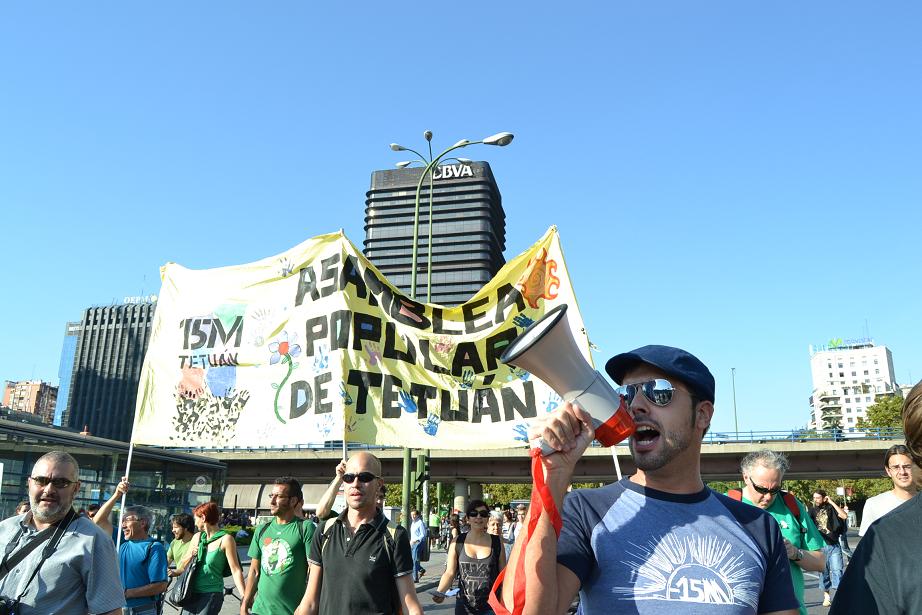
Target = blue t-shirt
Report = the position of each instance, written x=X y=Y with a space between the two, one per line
x=639 y=550
x=138 y=570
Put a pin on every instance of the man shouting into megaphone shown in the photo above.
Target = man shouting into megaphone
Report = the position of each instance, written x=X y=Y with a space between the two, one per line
x=659 y=541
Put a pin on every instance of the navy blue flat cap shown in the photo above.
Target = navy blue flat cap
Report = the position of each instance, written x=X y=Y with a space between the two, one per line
x=673 y=361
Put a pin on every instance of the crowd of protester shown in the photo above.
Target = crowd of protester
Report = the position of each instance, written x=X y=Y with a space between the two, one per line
x=88 y=565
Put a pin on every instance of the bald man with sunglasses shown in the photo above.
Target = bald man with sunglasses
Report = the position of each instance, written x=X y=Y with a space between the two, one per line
x=659 y=541
x=358 y=563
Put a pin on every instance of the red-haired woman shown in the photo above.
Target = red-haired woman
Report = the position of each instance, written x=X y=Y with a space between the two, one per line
x=215 y=551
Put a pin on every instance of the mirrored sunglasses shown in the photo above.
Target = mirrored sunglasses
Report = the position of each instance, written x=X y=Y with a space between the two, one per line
x=659 y=391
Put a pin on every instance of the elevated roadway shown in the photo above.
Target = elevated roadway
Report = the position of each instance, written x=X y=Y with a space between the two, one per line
x=811 y=459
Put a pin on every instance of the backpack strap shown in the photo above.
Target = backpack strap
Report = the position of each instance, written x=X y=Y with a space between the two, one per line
x=789 y=500
x=791 y=503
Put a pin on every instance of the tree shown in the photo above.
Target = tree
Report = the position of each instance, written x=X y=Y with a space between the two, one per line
x=885 y=413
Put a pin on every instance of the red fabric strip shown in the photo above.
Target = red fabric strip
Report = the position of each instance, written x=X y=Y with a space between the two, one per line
x=541 y=502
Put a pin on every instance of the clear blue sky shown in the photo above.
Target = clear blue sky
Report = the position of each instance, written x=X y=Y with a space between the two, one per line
x=739 y=179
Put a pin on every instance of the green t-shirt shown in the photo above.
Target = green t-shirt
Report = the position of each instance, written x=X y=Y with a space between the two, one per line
x=209 y=576
x=177 y=551
x=433 y=520
x=281 y=549
x=809 y=540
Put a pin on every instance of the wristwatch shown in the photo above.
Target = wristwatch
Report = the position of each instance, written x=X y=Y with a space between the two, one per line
x=800 y=555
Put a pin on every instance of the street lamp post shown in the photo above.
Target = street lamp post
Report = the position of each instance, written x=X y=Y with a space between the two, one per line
x=500 y=139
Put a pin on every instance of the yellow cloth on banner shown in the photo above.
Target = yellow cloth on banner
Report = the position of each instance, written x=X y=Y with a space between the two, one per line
x=315 y=345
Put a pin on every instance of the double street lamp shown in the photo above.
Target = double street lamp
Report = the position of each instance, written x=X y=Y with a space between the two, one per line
x=500 y=139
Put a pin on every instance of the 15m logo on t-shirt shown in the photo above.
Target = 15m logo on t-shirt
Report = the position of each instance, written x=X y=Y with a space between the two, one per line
x=701 y=569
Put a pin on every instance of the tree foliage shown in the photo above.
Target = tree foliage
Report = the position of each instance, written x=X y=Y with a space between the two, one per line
x=885 y=413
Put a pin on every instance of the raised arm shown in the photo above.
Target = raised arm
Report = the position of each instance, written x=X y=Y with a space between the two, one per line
x=550 y=587
x=101 y=518
x=325 y=506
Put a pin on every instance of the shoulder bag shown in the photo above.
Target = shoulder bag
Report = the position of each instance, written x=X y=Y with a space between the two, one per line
x=180 y=592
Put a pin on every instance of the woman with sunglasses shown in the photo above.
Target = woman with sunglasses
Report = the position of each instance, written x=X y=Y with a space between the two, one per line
x=476 y=559
x=215 y=551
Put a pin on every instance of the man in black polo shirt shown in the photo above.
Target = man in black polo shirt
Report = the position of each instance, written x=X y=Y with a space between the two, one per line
x=365 y=564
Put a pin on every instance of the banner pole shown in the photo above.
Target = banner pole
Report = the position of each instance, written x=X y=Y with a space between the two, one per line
x=121 y=510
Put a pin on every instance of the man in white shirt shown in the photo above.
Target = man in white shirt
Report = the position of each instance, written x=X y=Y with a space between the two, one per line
x=417 y=542
x=898 y=466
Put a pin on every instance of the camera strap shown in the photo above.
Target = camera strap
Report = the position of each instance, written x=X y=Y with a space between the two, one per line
x=55 y=532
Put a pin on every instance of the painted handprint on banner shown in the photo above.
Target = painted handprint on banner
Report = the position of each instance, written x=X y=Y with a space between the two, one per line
x=521 y=320
x=520 y=431
x=431 y=426
x=347 y=399
x=553 y=400
x=321 y=359
x=516 y=372
x=285 y=267
x=373 y=352
x=443 y=345
x=467 y=378
x=325 y=424
x=406 y=402
x=352 y=424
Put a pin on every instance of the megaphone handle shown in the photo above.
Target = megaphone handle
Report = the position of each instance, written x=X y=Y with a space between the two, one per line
x=544 y=446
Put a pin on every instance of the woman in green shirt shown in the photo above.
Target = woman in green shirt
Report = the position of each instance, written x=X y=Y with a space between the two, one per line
x=216 y=552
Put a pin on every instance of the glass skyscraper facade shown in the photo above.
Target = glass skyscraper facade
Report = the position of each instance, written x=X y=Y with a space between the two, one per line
x=66 y=369
x=107 y=368
x=468 y=229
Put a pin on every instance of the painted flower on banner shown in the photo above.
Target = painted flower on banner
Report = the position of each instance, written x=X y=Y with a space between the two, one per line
x=283 y=347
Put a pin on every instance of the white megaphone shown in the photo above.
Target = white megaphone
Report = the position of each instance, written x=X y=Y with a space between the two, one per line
x=547 y=350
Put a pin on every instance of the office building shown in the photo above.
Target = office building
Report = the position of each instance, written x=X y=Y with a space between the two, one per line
x=848 y=377
x=468 y=229
x=107 y=363
x=33 y=397
x=66 y=369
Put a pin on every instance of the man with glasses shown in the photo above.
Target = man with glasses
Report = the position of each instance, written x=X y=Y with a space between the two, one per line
x=358 y=563
x=277 y=578
x=763 y=471
x=81 y=574
x=659 y=541
x=898 y=466
x=142 y=563
x=831 y=521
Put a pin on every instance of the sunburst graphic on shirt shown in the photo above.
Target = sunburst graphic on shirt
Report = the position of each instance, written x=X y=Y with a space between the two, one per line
x=700 y=569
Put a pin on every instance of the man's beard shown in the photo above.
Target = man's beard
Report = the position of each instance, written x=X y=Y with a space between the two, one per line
x=48 y=512
x=673 y=444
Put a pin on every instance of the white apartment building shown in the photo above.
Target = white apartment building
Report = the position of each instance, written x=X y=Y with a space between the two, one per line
x=848 y=376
